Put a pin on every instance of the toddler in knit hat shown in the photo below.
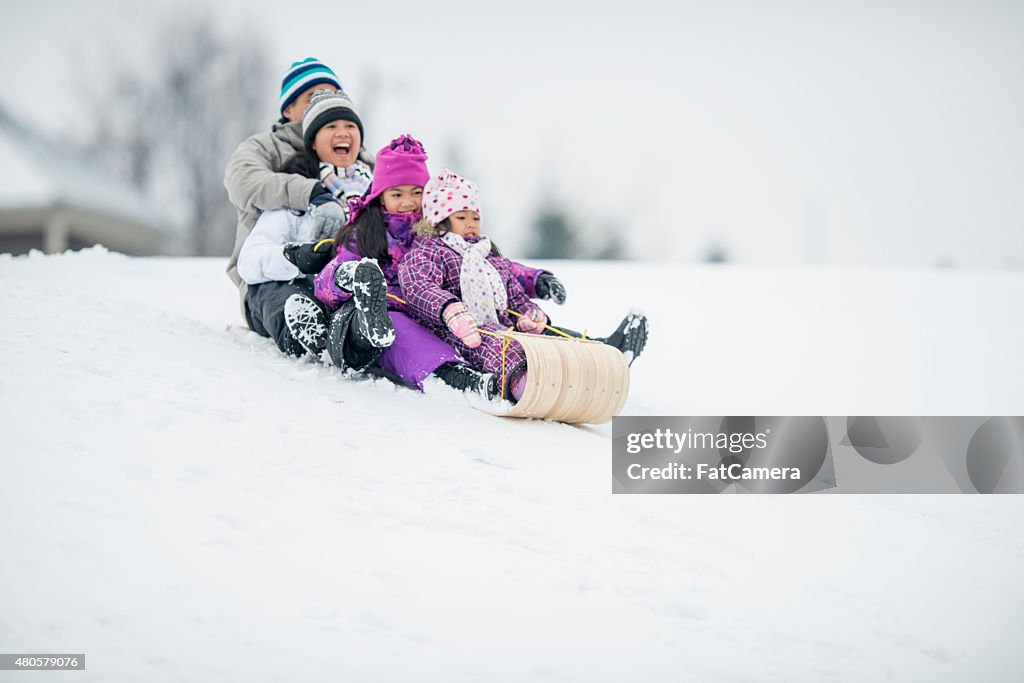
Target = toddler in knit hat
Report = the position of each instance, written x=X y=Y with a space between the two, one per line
x=457 y=283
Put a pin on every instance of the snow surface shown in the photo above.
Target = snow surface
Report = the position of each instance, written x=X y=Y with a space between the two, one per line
x=181 y=503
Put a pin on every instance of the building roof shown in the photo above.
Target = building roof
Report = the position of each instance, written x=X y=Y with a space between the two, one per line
x=35 y=173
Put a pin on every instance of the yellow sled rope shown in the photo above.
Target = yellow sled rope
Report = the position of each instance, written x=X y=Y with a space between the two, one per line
x=569 y=379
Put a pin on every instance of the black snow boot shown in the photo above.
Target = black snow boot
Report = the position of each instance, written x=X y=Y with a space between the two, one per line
x=465 y=378
x=345 y=344
x=307 y=323
x=369 y=292
x=630 y=336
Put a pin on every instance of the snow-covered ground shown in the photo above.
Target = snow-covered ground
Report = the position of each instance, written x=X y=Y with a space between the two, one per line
x=181 y=503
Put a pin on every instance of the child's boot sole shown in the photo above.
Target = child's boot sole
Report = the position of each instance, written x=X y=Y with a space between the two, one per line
x=306 y=322
x=370 y=291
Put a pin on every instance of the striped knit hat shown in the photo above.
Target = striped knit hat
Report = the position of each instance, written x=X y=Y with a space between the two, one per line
x=324 y=107
x=302 y=76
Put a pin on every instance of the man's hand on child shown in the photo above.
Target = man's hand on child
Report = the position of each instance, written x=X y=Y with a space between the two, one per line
x=327 y=214
x=533 y=322
x=306 y=257
x=460 y=322
x=550 y=287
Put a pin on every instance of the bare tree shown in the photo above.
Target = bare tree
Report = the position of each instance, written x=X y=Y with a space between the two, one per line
x=612 y=247
x=553 y=234
x=716 y=252
x=170 y=128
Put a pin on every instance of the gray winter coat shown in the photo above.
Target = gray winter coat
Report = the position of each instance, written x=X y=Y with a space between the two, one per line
x=255 y=185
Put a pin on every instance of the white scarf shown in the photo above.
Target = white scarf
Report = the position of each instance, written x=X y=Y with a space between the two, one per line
x=483 y=290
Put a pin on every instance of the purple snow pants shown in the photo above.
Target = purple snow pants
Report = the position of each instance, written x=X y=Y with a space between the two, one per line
x=416 y=352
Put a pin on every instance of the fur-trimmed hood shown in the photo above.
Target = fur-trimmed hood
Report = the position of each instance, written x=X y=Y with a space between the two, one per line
x=423 y=228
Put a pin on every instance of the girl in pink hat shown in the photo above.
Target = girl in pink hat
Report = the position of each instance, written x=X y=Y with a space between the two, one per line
x=457 y=283
x=369 y=250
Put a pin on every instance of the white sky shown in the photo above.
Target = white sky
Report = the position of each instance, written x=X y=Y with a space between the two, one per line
x=895 y=126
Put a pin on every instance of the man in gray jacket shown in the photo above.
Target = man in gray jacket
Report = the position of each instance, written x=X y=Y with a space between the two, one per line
x=253 y=178
x=255 y=183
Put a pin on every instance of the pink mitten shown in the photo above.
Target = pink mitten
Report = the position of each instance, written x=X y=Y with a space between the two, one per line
x=533 y=322
x=461 y=323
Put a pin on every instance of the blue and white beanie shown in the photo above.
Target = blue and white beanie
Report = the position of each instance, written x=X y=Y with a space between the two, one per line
x=302 y=76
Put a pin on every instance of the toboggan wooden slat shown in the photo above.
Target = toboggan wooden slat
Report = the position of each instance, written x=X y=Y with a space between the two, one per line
x=571 y=380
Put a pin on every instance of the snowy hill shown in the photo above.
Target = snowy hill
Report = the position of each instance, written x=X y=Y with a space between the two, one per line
x=182 y=503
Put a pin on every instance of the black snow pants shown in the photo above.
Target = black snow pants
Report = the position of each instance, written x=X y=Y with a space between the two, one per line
x=264 y=311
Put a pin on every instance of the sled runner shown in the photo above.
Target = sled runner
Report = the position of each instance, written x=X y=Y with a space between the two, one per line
x=570 y=380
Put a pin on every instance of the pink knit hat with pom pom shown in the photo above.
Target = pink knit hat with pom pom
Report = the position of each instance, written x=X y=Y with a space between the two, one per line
x=446 y=194
x=402 y=162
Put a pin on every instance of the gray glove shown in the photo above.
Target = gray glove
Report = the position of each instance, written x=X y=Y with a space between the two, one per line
x=328 y=217
x=550 y=287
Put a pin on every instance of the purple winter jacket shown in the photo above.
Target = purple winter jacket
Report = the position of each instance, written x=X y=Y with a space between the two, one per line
x=400 y=241
x=430 y=279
